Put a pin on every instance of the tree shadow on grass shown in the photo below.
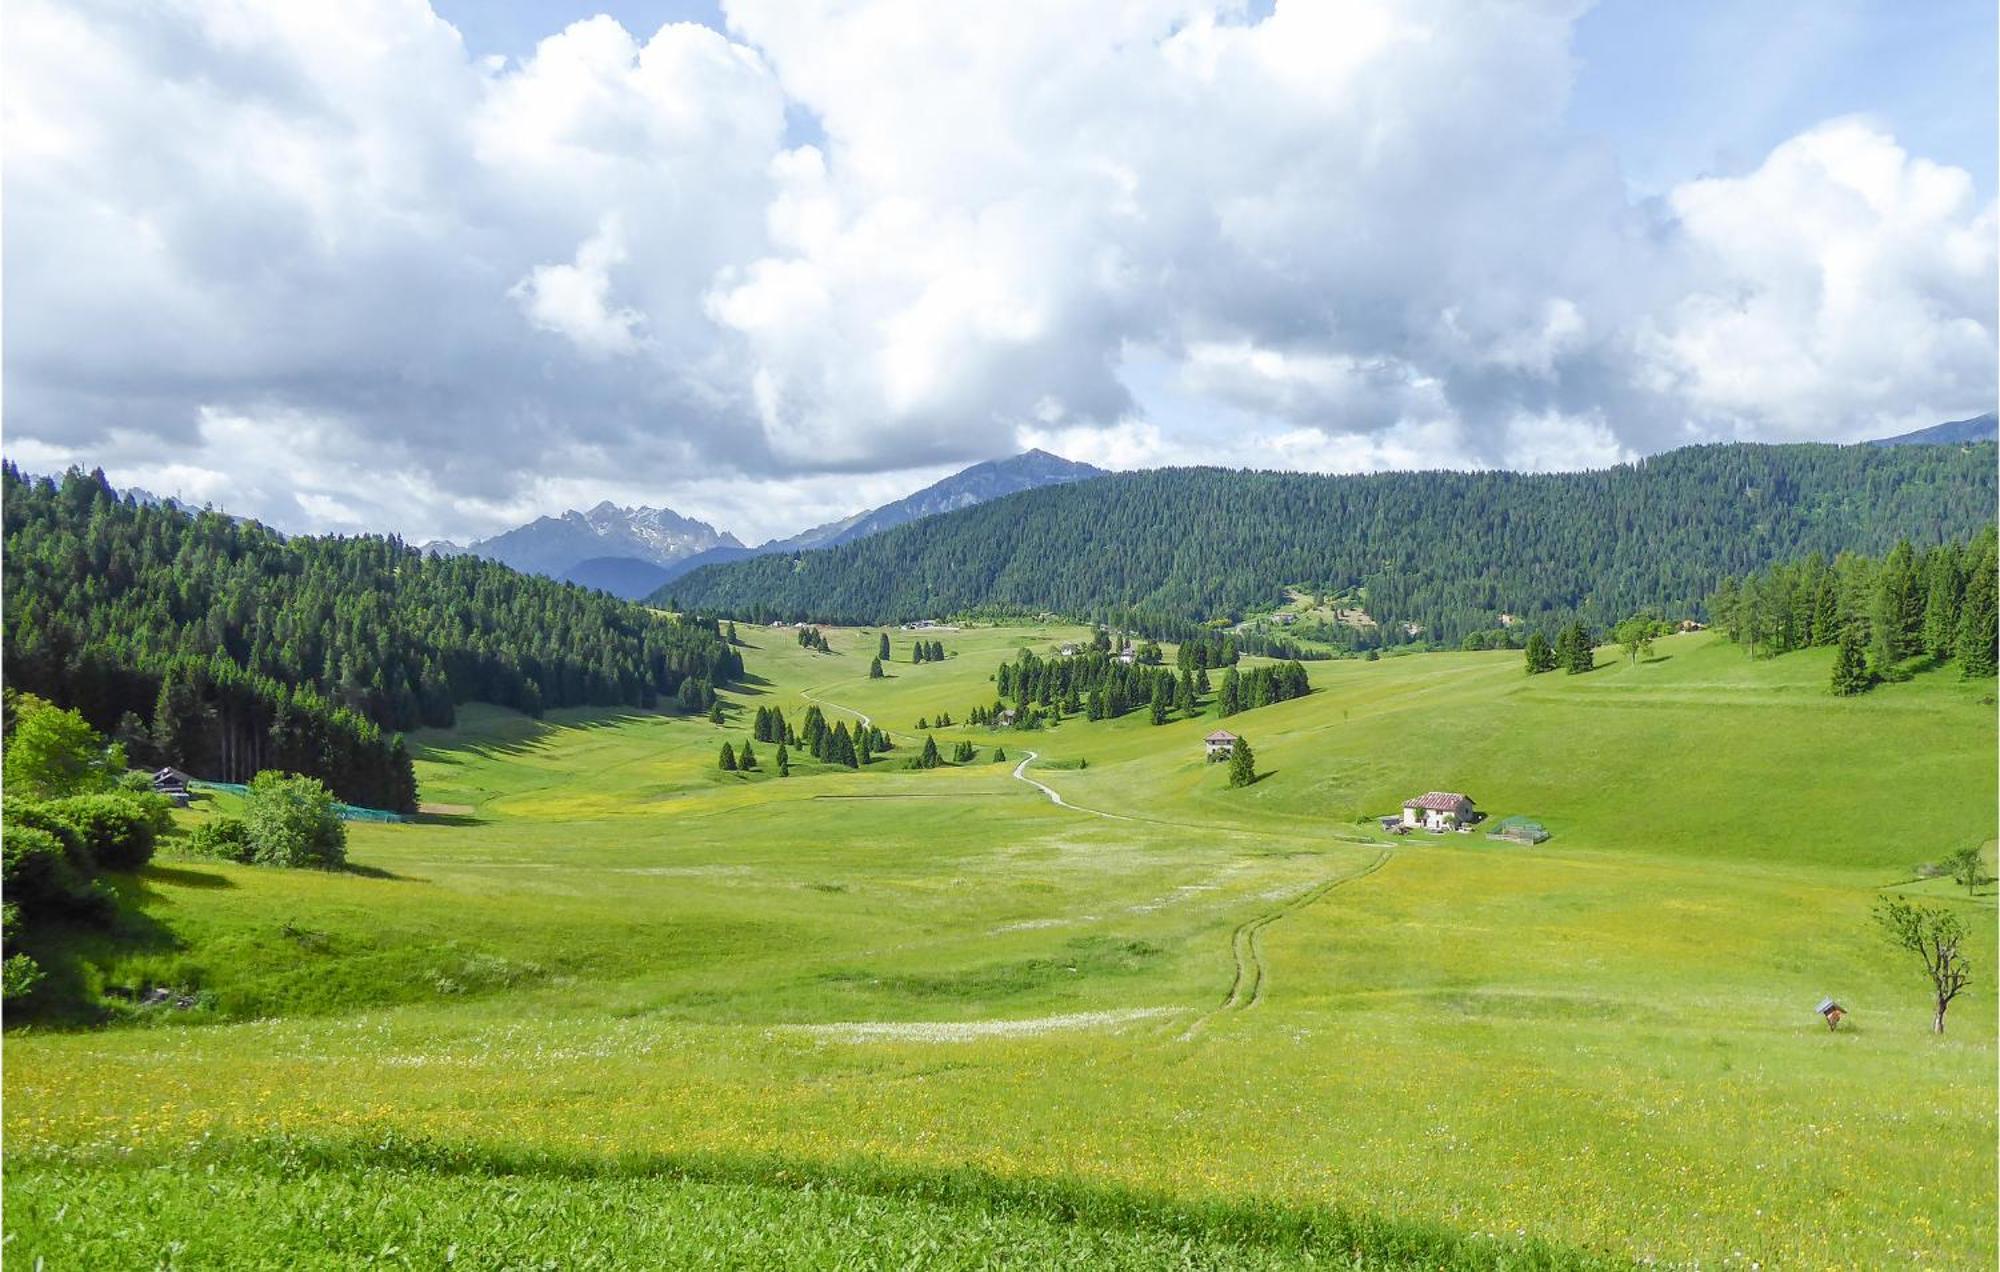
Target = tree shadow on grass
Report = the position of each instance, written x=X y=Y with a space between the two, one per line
x=180 y=877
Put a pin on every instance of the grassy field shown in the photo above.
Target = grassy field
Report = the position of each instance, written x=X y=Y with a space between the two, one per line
x=618 y=1008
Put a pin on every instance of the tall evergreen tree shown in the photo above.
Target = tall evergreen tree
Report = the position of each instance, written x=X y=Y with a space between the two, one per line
x=1940 y=633
x=1242 y=763
x=875 y=669
x=727 y=760
x=1850 y=665
x=930 y=758
x=1977 y=653
x=882 y=648
x=746 y=759
x=1540 y=656
x=784 y=761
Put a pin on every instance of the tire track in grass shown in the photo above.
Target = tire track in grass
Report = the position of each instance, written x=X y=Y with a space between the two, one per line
x=1251 y=977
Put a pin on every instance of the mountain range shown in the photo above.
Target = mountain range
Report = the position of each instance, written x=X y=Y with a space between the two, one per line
x=1437 y=555
x=1980 y=428
x=633 y=552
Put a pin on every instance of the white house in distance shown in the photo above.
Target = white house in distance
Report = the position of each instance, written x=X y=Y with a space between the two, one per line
x=1219 y=743
x=1437 y=811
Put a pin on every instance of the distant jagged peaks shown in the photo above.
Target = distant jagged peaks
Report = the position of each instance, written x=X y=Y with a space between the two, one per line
x=1980 y=428
x=555 y=545
x=633 y=552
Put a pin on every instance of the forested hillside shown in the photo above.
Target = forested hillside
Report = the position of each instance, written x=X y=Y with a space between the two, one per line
x=222 y=647
x=1447 y=552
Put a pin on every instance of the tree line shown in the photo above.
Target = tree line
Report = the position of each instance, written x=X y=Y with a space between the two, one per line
x=1443 y=552
x=1885 y=616
x=223 y=648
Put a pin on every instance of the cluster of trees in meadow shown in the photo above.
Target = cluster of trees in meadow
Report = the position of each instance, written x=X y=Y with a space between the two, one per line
x=224 y=648
x=1444 y=552
x=1882 y=614
x=830 y=744
x=1094 y=684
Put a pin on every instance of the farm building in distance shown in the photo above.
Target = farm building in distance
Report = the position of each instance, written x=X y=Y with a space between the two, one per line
x=1438 y=811
x=1220 y=743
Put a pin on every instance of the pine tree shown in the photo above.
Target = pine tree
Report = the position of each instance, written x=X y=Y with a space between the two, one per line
x=861 y=747
x=999 y=754
x=1940 y=633
x=929 y=759
x=875 y=669
x=715 y=713
x=1977 y=655
x=784 y=761
x=1850 y=666
x=1242 y=764
x=882 y=648
x=1896 y=615
x=1575 y=650
x=746 y=759
x=1541 y=656
x=728 y=760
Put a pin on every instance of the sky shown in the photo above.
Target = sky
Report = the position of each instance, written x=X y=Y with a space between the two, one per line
x=436 y=269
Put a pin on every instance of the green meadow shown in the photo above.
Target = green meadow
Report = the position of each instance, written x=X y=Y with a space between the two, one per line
x=607 y=1005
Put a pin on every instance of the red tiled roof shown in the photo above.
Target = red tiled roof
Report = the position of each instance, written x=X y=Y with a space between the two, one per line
x=1437 y=801
x=1220 y=735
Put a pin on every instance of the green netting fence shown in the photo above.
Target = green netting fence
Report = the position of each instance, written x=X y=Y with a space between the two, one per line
x=347 y=812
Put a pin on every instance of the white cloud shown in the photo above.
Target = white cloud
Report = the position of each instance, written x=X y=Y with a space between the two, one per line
x=1355 y=234
x=1840 y=285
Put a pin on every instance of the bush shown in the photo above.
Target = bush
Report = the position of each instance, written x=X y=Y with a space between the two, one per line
x=290 y=821
x=49 y=818
x=118 y=830
x=18 y=975
x=40 y=875
x=226 y=838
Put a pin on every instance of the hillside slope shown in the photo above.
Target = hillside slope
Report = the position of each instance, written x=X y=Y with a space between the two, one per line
x=1447 y=552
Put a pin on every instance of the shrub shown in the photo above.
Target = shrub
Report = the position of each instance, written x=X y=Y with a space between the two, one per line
x=18 y=975
x=119 y=830
x=291 y=822
x=41 y=876
x=226 y=838
x=48 y=817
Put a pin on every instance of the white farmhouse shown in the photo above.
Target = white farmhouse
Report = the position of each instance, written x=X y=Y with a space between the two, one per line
x=1437 y=811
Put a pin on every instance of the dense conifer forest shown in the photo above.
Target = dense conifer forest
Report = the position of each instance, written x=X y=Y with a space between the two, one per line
x=223 y=648
x=1444 y=552
x=1887 y=615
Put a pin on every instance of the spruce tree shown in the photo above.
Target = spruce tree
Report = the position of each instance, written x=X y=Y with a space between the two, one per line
x=1242 y=764
x=882 y=648
x=746 y=759
x=728 y=760
x=1850 y=665
x=929 y=759
x=875 y=669
x=784 y=761
x=1941 y=604
x=1540 y=656
x=1977 y=655
x=715 y=713
x=999 y=754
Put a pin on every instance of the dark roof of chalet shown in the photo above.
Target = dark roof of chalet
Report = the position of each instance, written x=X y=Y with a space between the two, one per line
x=171 y=774
x=1438 y=801
x=1220 y=735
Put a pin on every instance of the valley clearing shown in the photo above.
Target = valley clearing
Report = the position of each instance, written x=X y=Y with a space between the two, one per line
x=618 y=1008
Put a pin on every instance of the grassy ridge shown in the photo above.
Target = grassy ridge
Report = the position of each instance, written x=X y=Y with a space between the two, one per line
x=620 y=982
